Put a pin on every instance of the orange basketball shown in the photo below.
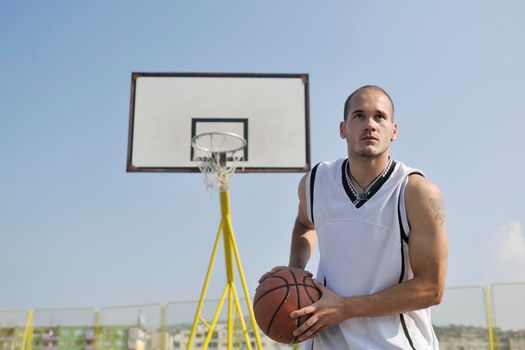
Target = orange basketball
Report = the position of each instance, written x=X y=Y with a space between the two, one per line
x=277 y=296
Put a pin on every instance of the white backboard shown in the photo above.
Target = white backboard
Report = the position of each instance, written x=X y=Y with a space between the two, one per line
x=271 y=111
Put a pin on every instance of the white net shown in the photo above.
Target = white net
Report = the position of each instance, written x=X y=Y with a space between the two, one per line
x=218 y=155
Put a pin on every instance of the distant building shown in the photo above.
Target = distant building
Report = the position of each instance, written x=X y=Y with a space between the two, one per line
x=514 y=339
x=138 y=337
x=458 y=337
x=219 y=339
x=462 y=338
x=11 y=338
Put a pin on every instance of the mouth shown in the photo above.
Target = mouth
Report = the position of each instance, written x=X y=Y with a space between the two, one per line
x=368 y=138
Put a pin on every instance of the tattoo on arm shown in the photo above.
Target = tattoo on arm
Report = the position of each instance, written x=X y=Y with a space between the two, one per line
x=438 y=210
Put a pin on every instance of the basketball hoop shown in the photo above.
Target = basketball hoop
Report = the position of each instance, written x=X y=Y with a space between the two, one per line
x=217 y=154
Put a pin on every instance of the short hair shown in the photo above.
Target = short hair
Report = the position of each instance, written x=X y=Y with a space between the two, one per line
x=364 y=88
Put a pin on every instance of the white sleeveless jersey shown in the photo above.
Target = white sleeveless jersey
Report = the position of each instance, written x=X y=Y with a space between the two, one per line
x=363 y=245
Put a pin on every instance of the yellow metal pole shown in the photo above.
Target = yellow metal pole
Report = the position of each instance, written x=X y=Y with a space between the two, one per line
x=97 y=341
x=204 y=322
x=230 y=273
x=205 y=287
x=245 y=288
x=230 y=249
x=27 y=341
x=227 y=229
x=241 y=318
x=215 y=318
x=229 y=236
x=230 y=316
x=490 y=329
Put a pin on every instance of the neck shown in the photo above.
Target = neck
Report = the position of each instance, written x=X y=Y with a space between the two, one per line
x=366 y=169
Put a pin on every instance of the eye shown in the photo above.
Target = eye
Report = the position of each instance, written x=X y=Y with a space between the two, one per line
x=381 y=116
x=359 y=116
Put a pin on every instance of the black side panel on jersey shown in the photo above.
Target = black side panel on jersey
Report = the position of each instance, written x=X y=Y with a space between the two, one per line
x=312 y=184
x=403 y=323
x=404 y=239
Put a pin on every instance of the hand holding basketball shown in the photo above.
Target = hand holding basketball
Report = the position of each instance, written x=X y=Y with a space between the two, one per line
x=329 y=310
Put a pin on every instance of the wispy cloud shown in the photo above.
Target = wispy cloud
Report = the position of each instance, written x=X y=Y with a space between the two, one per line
x=508 y=258
x=510 y=248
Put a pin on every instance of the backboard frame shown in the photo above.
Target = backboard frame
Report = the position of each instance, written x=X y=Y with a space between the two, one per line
x=136 y=75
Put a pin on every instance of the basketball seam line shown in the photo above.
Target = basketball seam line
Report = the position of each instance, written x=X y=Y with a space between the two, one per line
x=306 y=290
x=284 y=285
x=268 y=291
x=294 y=339
x=277 y=310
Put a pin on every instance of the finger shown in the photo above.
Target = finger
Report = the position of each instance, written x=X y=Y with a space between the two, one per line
x=309 y=329
x=278 y=268
x=311 y=332
x=308 y=273
x=262 y=277
x=267 y=274
x=299 y=269
x=304 y=311
x=302 y=329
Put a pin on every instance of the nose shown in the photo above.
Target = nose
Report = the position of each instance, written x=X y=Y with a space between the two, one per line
x=370 y=124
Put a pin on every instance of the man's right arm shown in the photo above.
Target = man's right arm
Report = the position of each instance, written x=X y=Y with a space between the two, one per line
x=304 y=237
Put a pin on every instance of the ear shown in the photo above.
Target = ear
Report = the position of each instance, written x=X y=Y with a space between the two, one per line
x=342 y=131
x=394 y=132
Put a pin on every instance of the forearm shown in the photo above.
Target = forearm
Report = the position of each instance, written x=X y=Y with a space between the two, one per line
x=303 y=243
x=407 y=296
x=333 y=309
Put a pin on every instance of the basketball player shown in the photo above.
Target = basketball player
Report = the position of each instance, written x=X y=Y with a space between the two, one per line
x=382 y=239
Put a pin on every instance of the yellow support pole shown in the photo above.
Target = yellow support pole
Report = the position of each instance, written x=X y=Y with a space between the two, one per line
x=230 y=273
x=204 y=287
x=231 y=255
x=215 y=318
x=230 y=317
x=203 y=321
x=490 y=326
x=27 y=341
x=241 y=318
x=97 y=333
x=227 y=229
x=246 y=292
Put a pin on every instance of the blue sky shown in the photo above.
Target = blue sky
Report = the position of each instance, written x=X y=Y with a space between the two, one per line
x=77 y=230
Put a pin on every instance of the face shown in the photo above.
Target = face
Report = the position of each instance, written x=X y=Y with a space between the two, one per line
x=369 y=128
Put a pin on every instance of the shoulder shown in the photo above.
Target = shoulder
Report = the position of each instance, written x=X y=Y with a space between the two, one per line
x=331 y=164
x=326 y=167
x=321 y=166
x=423 y=201
x=302 y=182
x=419 y=187
x=309 y=177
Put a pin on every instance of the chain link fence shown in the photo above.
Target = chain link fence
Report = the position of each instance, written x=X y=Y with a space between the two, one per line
x=469 y=318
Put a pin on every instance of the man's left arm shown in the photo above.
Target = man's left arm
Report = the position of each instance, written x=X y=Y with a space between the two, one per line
x=428 y=258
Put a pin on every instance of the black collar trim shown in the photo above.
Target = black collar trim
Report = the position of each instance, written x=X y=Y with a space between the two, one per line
x=356 y=198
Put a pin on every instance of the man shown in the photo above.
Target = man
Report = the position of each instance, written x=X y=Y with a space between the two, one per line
x=382 y=239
